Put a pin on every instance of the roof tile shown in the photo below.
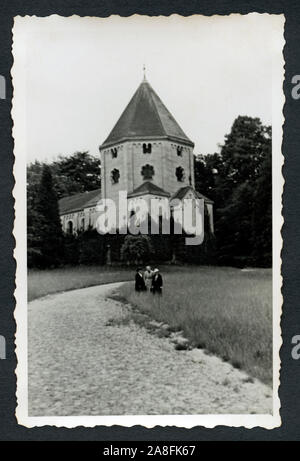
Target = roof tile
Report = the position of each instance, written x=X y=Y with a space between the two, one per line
x=148 y=188
x=180 y=194
x=78 y=202
x=146 y=117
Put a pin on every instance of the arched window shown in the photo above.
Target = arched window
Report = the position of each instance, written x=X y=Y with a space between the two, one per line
x=179 y=174
x=147 y=171
x=70 y=227
x=115 y=176
x=82 y=224
x=147 y=148
x=179 y=151
x=114 y=152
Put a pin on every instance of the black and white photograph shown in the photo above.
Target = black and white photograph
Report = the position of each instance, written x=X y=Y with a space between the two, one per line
x=148 y=215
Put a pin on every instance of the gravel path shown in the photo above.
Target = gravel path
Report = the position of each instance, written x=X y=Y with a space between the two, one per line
x=80 y=366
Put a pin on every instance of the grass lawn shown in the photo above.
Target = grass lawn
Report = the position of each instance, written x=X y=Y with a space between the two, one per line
x=44 y=282
x=224 y=310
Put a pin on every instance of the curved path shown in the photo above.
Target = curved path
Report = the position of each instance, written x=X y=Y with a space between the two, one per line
x=79 y=365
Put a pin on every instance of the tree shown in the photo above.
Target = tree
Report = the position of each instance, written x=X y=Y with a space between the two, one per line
x=33 y=183
x=136 y=249
x=205 y=168
x=91 y=247
x=75 y=174
x=47 y=232
x=262 y=213
x=244 y=150
x=243 y=214
x=234 y=227
x=239 y=180
x=71 y=175
x=78 y=173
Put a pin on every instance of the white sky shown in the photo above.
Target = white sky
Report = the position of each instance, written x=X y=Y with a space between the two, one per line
x=80 y=73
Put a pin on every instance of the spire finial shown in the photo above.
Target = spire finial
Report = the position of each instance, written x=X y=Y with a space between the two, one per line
x=144 y=71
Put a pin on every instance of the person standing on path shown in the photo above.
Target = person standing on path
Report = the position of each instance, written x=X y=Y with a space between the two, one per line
x=157 y=282
x=139 y=281
x=148 y=274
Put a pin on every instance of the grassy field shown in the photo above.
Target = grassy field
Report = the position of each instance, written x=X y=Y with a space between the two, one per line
x=44 y=282
x=224 y=310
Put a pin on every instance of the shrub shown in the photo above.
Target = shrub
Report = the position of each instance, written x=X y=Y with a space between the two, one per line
x=162 y=247
x=91 y=247
x=136 y=249
x=71 y=249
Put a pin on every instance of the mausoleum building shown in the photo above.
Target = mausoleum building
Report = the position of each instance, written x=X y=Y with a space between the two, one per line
x=146 y=154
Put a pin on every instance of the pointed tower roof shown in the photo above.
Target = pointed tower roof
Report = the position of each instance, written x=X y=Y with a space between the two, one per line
x=146 y=117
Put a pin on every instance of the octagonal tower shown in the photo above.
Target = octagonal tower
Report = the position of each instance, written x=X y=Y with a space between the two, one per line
x=146 y=145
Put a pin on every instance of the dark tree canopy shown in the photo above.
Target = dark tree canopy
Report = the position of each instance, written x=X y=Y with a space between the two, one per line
x=47 y=183
x=78 y=173
x=46 y=233
x=71 y=175
x=239 y=180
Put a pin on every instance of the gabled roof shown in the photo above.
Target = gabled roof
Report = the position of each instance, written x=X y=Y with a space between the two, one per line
x=148 y=188
x=78 y=202
x=146 y=117
x=181 y=193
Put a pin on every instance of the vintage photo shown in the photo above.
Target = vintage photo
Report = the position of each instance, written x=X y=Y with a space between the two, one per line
x=148 y=216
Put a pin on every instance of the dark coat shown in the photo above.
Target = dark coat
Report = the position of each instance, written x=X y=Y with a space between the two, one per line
x=139 y=282
x=157 y=283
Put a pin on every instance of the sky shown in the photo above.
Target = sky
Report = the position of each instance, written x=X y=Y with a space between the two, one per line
x=80 y=73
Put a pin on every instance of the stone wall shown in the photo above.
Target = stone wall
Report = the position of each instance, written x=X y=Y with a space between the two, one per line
x=128 y=158
x=81 y=220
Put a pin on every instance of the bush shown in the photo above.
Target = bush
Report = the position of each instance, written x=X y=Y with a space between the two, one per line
x=196 y=254
x=204 y=253
x=162 y=247
x=71 y=249
x=115 y=242
x=136 y=249
x=91 y=247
